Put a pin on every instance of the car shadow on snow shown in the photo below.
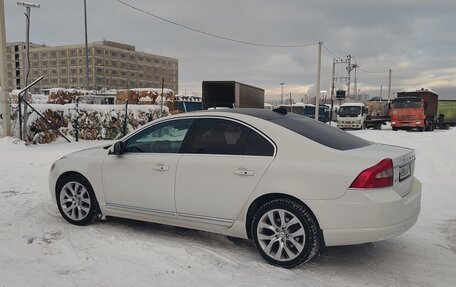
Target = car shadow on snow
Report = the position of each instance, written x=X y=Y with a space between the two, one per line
x=347 y=257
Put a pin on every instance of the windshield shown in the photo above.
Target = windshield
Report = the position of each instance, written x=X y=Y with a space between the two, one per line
x=352 y=111
x=406 y=103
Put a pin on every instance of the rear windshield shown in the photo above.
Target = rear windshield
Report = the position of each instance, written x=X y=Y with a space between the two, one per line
x=321 y=133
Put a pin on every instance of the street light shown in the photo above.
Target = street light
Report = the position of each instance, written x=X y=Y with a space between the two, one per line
x=281 y=96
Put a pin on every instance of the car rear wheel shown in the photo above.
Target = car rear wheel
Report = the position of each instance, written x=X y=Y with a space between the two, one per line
x=285 y=233
x=76 y=200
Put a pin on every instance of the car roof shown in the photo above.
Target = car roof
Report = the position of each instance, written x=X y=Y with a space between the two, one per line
x=254 y=112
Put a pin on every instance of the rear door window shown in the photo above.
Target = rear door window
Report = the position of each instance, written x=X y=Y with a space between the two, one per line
x=221 y=136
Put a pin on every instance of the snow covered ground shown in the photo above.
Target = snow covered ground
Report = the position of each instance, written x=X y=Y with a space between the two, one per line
x=38 y=248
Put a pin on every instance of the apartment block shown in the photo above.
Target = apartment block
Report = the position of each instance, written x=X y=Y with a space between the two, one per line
x=112 y=65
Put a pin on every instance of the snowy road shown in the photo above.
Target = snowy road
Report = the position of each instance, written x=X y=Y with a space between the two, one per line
x=38 y=248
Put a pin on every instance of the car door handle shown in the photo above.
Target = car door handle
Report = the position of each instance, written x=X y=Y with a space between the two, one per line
x=244 y=172
x=161 y=167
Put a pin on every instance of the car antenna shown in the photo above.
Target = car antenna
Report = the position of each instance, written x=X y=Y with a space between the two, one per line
x=280 y=110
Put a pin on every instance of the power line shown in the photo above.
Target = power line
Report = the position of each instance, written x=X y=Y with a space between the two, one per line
x=330 y=51
x=211 y=34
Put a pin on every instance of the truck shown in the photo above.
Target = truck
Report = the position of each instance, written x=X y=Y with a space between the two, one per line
x=446 y=113
x=369 y=114
x=185 y=104
x=308 y=110
x=414 y=109
x=231 y=94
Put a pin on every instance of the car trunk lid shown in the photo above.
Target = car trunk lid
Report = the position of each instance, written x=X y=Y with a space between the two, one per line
x=403 y=163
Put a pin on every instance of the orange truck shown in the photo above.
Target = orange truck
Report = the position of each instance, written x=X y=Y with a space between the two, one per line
x=415 y=109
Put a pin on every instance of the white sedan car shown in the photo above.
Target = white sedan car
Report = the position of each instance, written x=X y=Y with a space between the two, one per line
x=290 y=183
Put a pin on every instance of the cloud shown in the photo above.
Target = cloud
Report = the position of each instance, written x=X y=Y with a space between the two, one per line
x=411 y=37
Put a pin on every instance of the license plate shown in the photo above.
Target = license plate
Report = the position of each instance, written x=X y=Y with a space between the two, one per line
x=405 y=171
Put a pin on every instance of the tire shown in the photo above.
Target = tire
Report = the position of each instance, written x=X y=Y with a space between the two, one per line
x=274 y=237
x=394 y=129
x=76 y=200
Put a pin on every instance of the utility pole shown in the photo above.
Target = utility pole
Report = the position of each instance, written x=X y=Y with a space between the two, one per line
x=356 y=83
x=291 y=104
x=281 y=95
x=381 y=91
x=86 y=46
x=332 y=89
x=349 y=68
x=28 y=7
x=389 y=85
x=317 y=98
x=4 y=96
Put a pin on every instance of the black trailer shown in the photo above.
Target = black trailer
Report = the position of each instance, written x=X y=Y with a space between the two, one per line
x=231 y=94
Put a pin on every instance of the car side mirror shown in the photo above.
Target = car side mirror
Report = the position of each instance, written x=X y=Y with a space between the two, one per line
x=118 y=148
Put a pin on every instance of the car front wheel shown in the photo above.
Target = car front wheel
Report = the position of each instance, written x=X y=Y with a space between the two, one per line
x=285 y=233
x=76 y=200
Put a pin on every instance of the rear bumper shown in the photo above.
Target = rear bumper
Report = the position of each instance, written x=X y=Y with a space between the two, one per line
x=368 y=216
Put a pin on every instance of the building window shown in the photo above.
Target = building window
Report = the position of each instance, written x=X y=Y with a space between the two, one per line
x=54 y=72
x=63 y=71
x=99 y=51
x=73 y=52
x=123 y=55
x=44 y=54
x=73 y=62
x=73 y=71
x=99 y=71
x=132 y=57
x=63 y=53
x=63 y=62
x=44 y=63
x=63 y=81
x=53 y=63
x=99 y=61
x=123 y=73
x=113 y=54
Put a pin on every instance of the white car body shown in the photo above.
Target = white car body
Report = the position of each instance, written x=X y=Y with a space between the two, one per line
x=214 y=192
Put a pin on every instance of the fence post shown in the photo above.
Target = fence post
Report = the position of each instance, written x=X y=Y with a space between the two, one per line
x=126 y=119
x=77 y=119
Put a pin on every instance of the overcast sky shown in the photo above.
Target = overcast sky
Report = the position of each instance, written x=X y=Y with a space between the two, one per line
x=414 y=38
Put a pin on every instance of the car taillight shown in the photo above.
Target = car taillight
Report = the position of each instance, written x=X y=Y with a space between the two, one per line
x=379 y=175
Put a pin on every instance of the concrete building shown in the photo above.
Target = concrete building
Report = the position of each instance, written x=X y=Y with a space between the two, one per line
x=111 y=65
